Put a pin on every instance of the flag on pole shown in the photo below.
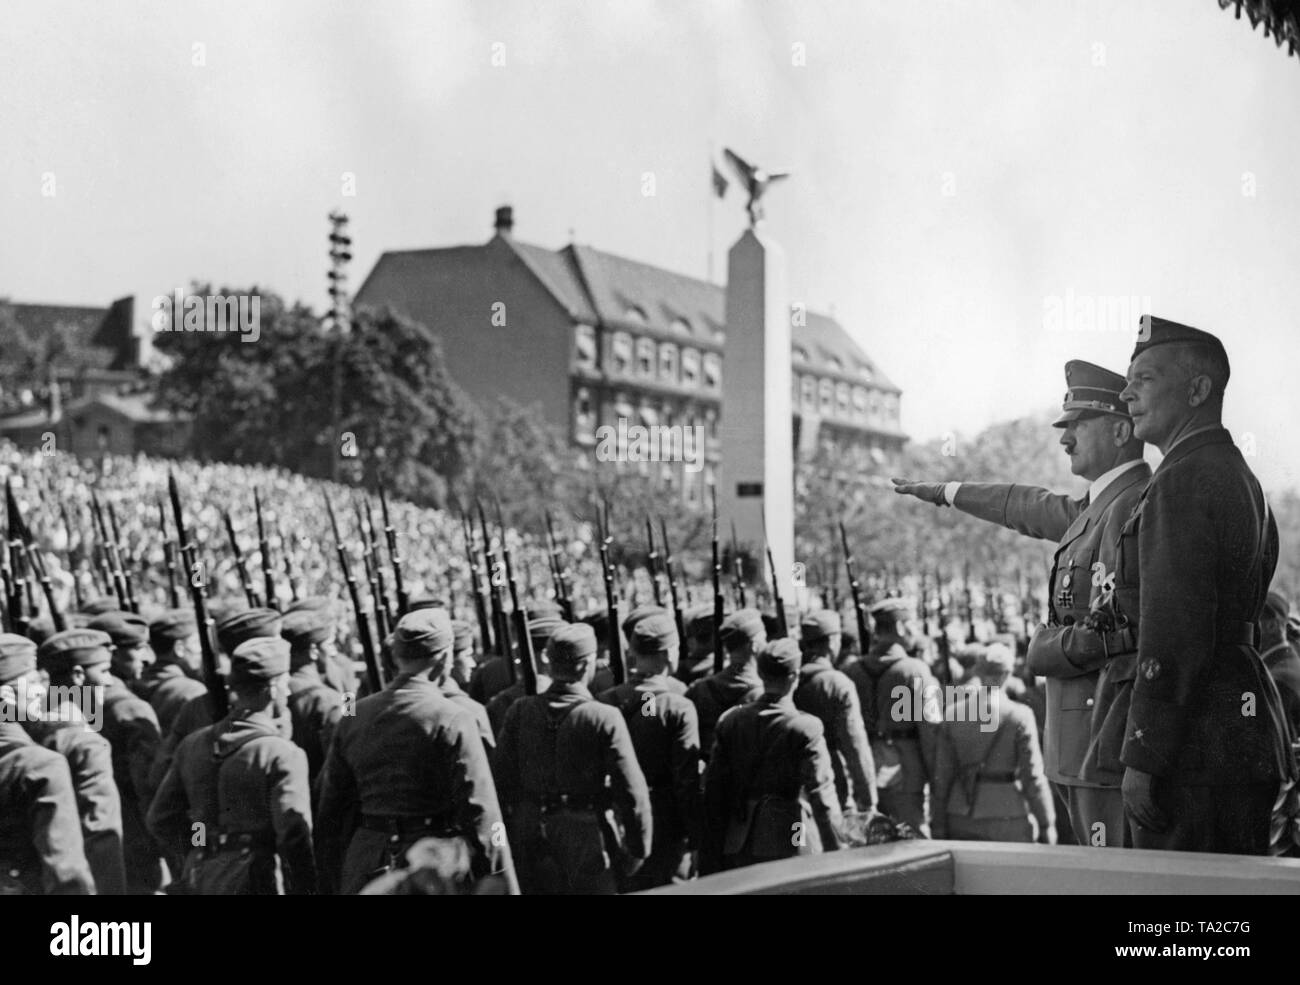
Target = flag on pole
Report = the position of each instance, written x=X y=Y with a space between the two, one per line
x=720 y=182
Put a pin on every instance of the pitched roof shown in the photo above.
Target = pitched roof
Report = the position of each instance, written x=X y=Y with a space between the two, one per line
x=595 y=286
x=108 y=330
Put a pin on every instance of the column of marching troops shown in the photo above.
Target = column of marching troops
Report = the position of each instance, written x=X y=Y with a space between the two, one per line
x=1164 y=726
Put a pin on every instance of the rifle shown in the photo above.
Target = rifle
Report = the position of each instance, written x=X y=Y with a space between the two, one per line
x=169 y=558
x=7 y=576
x=377 y=560
x=527 y=659
x=719 y=658
x=390 y=535
x=616 y=664
x=131 y=604
x=971 y=637
x=651 y=561
x=264 y=551
x=35 y=561
x=782 y=630
x=244 y=582
x=112 y=564
x=373 y=676
x=738 y=570
x=558 y=573
x=198 y=595
x=374 y=569
x=946 y=677
x=859 y=608
x=500 y=624
x=672 y=585
x=72 y=564
x=480 y=593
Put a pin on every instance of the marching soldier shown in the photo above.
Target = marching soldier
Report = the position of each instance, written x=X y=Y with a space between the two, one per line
x=565 y=763
x=409 y=764
x=338 y=670
x=173 y=678
x=769 y=790
x=131 y=655
x=622 y=693
x=463 y=658
x=236 y=803
x=892 y=686
x=737 y=683
x=41 y=848
x=73 y=659
x=830 y=696
x=697 y=661
x=989 y=783
x=314 y=706
x=450 y=682
x=540 y=630
x=131 y=728
x=492 y=676
x=665 y=734
x=1195 y=561
x=1089 y=675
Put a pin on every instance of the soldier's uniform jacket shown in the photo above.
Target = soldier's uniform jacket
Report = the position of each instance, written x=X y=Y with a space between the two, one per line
x=878 y=677
x=1204 y=545
x=831 y=697
x=452 y=691
x=993 y=774
x=1068 y=654
x=408 y=764
x=41 y=849
x=715 y=694
x=244 y=783
x=769 y=790
x=502 y=700
x=489 y=679
x=169 y=690
x=196 y=713
x=665 y=734
x=315 y=709
x=565 y=762
x=131 y=728
x=99 y=805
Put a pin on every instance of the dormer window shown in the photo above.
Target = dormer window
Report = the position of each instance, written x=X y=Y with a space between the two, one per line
x=634 y=313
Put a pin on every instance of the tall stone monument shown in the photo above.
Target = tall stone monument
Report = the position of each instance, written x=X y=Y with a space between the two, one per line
x=756 y=476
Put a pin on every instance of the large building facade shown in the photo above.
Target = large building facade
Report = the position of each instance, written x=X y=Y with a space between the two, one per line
x=592 y=339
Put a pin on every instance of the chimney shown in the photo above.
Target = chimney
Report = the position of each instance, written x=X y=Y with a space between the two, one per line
x=505 y=220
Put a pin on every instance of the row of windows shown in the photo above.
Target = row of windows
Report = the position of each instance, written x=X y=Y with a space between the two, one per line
x=835 y=363
x=646 y=359
x=828 y=398
x=586 y=414
x=666 y=475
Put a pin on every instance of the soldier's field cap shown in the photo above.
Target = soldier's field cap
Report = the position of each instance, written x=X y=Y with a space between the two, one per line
x=543 y=607
x=310 y=602
x=543 y=627
x=98 y=606
x=307 y=626
x=423 y=634
x=125 y=629
x=261 y=658
x=221 y=609
x=247 y=625
x=1153 y=331
x=637 y=614
x=462 y=634
x=17 y=656
x=1092 y=390
x=40 y=629
x=698 y=622
x=73 y=648
x=897 y=607
x=655 y=633
x=571 y=644
x=819 y=625
x=741 y=624
x=172 y=626
x=780 y=658
x=996 y=662
x=415 y=605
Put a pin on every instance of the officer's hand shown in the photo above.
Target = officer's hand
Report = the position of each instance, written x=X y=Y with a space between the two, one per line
x=1138 y=790
x=930 y=492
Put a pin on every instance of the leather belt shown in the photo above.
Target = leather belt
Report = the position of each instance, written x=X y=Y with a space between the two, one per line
x=1237 y=633
x=231 y=841
x=1121 y=641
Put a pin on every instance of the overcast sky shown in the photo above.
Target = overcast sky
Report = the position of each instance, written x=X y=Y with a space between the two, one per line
x=957 y=166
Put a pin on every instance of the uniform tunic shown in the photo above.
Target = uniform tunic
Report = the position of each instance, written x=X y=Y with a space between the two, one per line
x=715 y=694
x=131 y=728
x=830 y=696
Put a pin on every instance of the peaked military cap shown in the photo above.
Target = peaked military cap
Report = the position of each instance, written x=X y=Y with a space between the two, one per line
x=1153 y=331
x=655 y=633
x=819 y=625
x=73 y=648
x=17 y=656
x=260 y=658
x=125 y=629
x=1092 y=390
x=571 y=643
x=779 y=658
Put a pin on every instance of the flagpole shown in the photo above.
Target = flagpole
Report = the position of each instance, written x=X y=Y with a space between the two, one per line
x=709 y=190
